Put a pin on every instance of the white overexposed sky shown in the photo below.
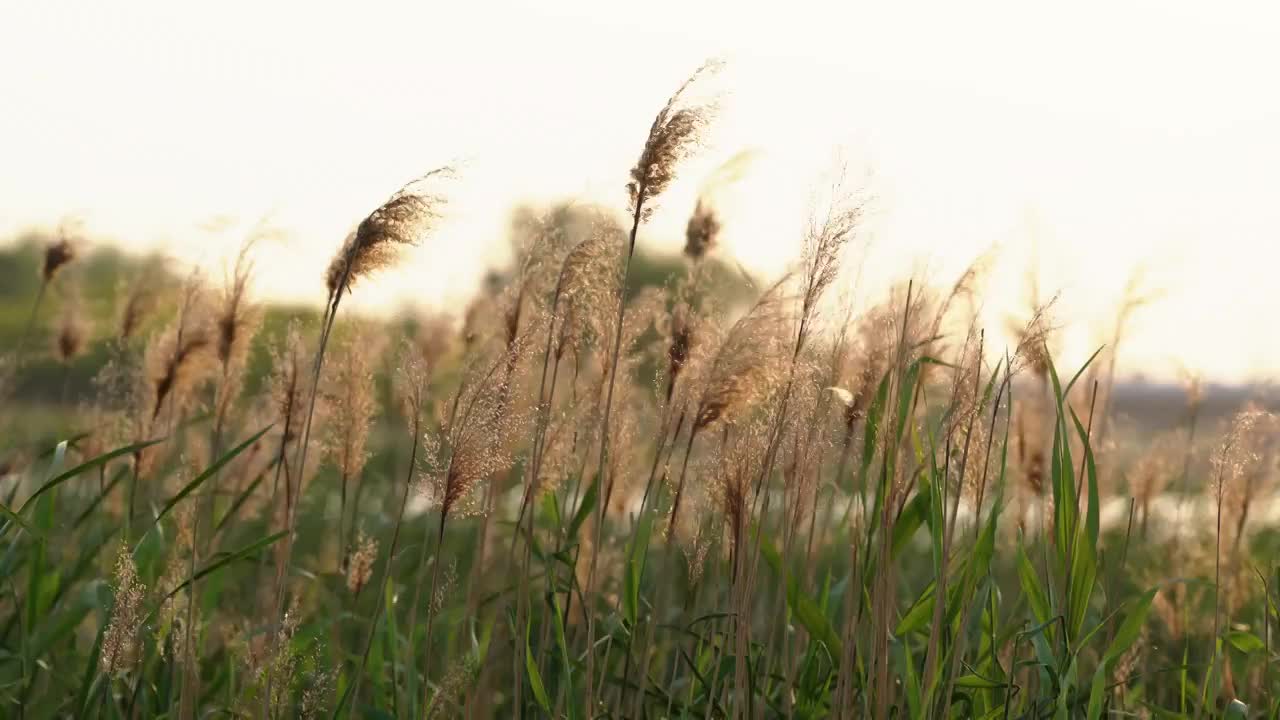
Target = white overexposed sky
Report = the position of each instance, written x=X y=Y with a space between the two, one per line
x=1090 y=139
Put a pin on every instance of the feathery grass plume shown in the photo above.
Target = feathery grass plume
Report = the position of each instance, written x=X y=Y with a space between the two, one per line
x=236 y=320
x=1233 y=462
x=589 y=277
x=676 y=133
x=539 y=240
x=57 y=255
x=680 y=344
x=744 y=370
x=349 y=392
x=287 y=394
x=702 y=233
x=73 y=328
x=120 y=641
x=1152 y=472
x=1244 y=464
x=176 y=364
x=832 y=225
x=375 y=244
x=402 y=221
x=479 y=441
x=1133 y=300
x=433 y=336
x=360 y=562
x=475 y=444
x=411 y=379
x=143 y=295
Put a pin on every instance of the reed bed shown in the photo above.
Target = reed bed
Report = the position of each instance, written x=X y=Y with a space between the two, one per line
x=583 y=498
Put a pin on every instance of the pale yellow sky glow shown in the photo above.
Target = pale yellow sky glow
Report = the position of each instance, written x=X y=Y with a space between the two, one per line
x=1092 y=138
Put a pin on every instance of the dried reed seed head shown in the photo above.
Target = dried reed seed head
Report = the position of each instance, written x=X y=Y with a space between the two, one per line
x=56 y=256
x=349 y=391
x=680 y=343
x=73 y=329
x=830 y=230
x=675 y=134
x=1155 y=467
x=481 y=435
x=236 y=319
x=589 y=280
x=1033 y=337
x=1243 y=465
x=434 y=337
x=360 y=563
x=141 y=297
x=745 y=368
x=287 y=386
x=176 y=364
x=120 y=641
x=1237 y=450
x=408 y=215
x=702 y=232
x=412 y=376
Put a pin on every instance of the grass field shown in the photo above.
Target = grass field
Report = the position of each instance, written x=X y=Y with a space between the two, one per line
x=616 y=486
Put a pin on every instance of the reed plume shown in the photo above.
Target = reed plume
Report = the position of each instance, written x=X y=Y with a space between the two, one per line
x=177 y=363
x=744 y=370
x=702 y=232
x=349 y=393
x=236 y=321
x=588 y=278
x=360 y=562
x=141 y=300
x=120 y=641
x=402 y=221
x=73 y=329
x=675 y=133
x=57 y=254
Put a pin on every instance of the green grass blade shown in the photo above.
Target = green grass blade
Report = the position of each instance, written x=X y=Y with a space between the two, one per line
x=87 y=465
x=208 y=473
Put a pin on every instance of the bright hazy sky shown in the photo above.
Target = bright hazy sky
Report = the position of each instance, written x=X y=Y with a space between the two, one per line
x=1088 y=139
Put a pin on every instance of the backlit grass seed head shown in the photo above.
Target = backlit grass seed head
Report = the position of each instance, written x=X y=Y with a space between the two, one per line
x=745 y=367
x=120 y=641
x=589 y=278
x=412 y=377
x=73 y=329
x=237 y=318
x=288 y=384
x=360 y=563
x=1237 y=452
x=833 y=224
x=402 y=221
x=480 y=441
x=350 y=396
x=675 y=134
x=57 y=255
x=1034 y=336
x=702 y=232
x=1154 y=468
x=175 y=365
x=142 y=295
x=1243 y=466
